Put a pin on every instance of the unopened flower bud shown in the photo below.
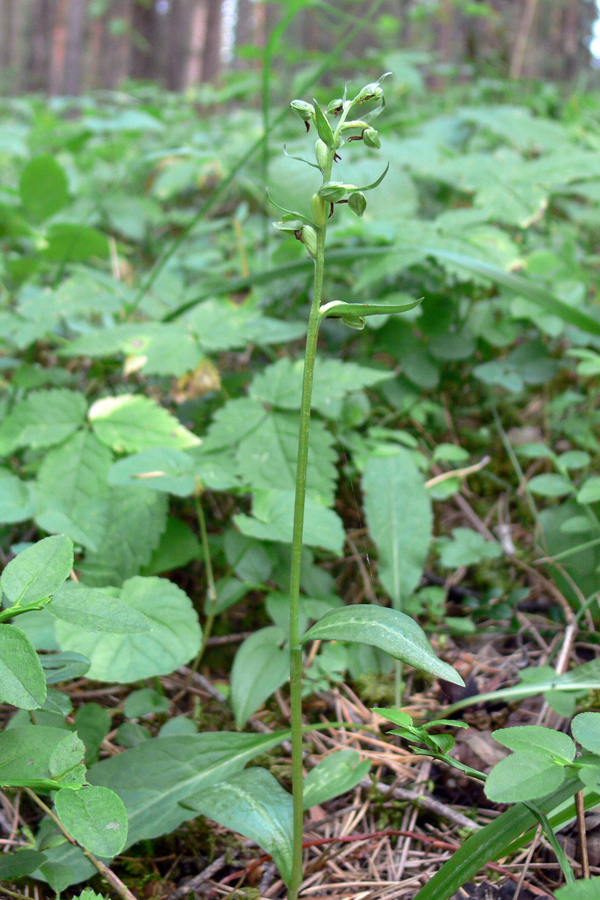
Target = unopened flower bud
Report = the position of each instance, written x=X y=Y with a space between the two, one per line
x=333 y=191
x=336 y=106
x=371 y=138
x=372 y=91
x=309 y=239
x=304 y=111
x=319 y=210
x=322 y=154
x=357 y=203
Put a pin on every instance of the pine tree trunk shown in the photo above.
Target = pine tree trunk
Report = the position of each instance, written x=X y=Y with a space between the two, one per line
x=76 y=15
x=211 y=59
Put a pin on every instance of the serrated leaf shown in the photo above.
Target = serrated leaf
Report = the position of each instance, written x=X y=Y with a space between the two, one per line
x=172 y=642
x=158 y=468
x=22 y=681
x=131 y=422
x=136 y=521
x=72 y=490
x=586 y=730
x=280 y=384
x=38 y=571
x=337 y=773
x=273 y=520
x=255 y=805
x=266 y=457
x=222 y=325
x=466 y=548
x=388 y=629
x=96 y=817
x=44 y=418
x=16 y=498
x=68 y=242
x=233 y=421
x=95 y=610
x=398 y=510
x=525 y=775
x=536 y=738
x=261 y=666
x=43 y=187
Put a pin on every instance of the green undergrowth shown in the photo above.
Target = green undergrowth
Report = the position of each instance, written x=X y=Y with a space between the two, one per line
x=150 y=373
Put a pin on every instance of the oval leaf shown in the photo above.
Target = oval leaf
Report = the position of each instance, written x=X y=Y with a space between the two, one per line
x=255 y=805
x=586 y=730
x=96 y=817
x=22 y=681
x=337 y=773
x=387 y=629
x=526 y=775
x=95 y=610
x=39 y=571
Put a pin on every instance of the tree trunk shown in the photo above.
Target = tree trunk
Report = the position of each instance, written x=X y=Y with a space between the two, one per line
x=39 y=45
x=57 y=52
x=211 y=58
x=76 y=14
x=143 y=44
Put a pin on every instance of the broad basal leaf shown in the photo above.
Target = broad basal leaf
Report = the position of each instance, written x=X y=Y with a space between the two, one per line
x=155 y=776
x=173 y=640
x=96 y=817
x=131 y=422
x=44 y=418
x=387 y=629
x=43 y=187
x=72 y=490
x=254 y=804
x=22 y=681
x=398 y=511
x=525 y=775
x=38 y=571
x=261 y=666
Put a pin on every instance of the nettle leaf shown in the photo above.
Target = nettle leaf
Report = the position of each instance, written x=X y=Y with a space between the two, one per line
x=136 y=521
x=337 y=773
x=130 y=423
x=96 y=817
x=16 y=498
x=466 y=548
x=273 y=520
x=44 y=418
x=72 y=491
x=172 y=642
x=254 y=805
x=267 y=456
x=159 y=468
x=586 y=730
x=280 y=384
x=398 y=510
x=22 y=681
x=155 y=776
x=534 y=737
x=233 y=421
x=221 y=325
x=38 y=571
x=261 y=666
x=525 y=775
x=96 y=610
x=43 y=187
x=67 y=242
x=158 y=348
x=388 y=629
x=27 y=757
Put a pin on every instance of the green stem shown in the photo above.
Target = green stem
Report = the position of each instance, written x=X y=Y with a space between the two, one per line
x=211 y=590
x=295 y=648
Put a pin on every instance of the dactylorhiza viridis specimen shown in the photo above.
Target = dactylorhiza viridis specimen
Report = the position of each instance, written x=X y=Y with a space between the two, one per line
x=385 y=628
